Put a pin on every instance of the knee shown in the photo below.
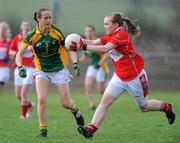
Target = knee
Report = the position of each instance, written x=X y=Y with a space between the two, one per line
x=42 y=101
x=144 y=108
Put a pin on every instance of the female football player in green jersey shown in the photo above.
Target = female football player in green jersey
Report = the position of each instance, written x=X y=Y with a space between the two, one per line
x=50 y=59
x=97 y=69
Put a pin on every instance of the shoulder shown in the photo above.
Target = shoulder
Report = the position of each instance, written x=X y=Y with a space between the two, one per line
x=104 y=39
x=122 y=31
x=29 y=35
x=57 y=30
x=15 y=38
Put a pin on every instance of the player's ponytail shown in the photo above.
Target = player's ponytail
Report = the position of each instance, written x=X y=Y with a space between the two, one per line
x=37 y=14
x=132 y=28
x=35 y=17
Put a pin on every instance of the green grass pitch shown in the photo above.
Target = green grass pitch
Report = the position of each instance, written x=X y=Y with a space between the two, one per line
x=123 y=124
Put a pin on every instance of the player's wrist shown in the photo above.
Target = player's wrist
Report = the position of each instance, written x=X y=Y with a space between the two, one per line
x=19 y=67
x=75 y=65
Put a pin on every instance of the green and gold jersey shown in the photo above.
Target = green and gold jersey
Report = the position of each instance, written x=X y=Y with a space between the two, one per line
x=94 y=57
x=49 y=52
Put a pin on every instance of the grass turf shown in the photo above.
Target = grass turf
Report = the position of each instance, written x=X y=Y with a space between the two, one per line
x=124 y=122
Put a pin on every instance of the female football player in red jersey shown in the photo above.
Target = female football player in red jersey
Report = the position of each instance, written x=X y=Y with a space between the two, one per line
x=129 y=72
x=22 y=85
x=4 y=56
x=97 y=68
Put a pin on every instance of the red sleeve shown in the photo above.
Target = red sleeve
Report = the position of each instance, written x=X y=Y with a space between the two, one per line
x=8 y=48
x=13 y=44
x=120 y=38
x=104 y=39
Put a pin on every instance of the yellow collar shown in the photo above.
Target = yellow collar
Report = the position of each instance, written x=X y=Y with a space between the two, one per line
x=38 y=32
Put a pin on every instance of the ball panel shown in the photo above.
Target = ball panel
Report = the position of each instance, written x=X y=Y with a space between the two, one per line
x=72 y=37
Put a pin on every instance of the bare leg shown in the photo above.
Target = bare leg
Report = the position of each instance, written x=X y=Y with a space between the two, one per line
x=18 y=91
x=25 y=101
x=101 y=87
x=89 y=84
x=68 y=103
x=1 y=87
x=101 y=110
x=153 y=105
x=42 y=91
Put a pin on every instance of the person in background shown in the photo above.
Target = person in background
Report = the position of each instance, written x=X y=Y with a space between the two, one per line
x=4 y=55
x=97 y=69
x=22 y=85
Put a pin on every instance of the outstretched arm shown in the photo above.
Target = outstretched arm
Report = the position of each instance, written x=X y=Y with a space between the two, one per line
x=92 y=42
x=101 y=48
x=19 y=56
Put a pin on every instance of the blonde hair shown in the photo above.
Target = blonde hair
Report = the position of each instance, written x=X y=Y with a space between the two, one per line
x=8 y=30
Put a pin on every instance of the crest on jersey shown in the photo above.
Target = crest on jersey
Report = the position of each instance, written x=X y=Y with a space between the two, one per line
x=118 y=36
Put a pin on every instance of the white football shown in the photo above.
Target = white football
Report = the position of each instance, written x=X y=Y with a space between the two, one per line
x=72 y=37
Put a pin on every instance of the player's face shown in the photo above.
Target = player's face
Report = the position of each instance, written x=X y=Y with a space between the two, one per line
x=25 y=27
x=46 y=19
x=109 y=27
x=89 y=33
x=3 y=30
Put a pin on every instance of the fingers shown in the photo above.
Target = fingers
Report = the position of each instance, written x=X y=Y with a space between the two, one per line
x=81 y=42
x=73 y=46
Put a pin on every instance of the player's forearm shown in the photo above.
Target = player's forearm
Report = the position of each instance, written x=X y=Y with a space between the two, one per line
x=18 y=59
x=97 y=48
x=73 y=56
x=88 y=42
x=92 y=42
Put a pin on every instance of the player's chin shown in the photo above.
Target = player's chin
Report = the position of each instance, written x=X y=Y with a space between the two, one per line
x=107 y=32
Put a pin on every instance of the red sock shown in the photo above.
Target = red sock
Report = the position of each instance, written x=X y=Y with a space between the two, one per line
x=29 y=104
x=24 y=109
x=91 y=128
x=166 y=106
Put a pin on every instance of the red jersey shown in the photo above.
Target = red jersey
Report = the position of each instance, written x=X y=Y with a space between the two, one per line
x=4 y=52
x=27 y=59
x=126 y=60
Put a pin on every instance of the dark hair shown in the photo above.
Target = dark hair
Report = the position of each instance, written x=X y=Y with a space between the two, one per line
x=132 y=28
x=38 y=13
x=91 y=26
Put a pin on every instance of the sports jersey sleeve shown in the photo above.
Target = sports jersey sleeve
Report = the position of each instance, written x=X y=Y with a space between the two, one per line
x=62 y=49
x=104 y=39
x=119 y=38
x=13 y=44
x=26 y=41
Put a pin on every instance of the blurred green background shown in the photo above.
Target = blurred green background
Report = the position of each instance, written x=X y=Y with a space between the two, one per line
x=159 y=21
x=73 y=15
